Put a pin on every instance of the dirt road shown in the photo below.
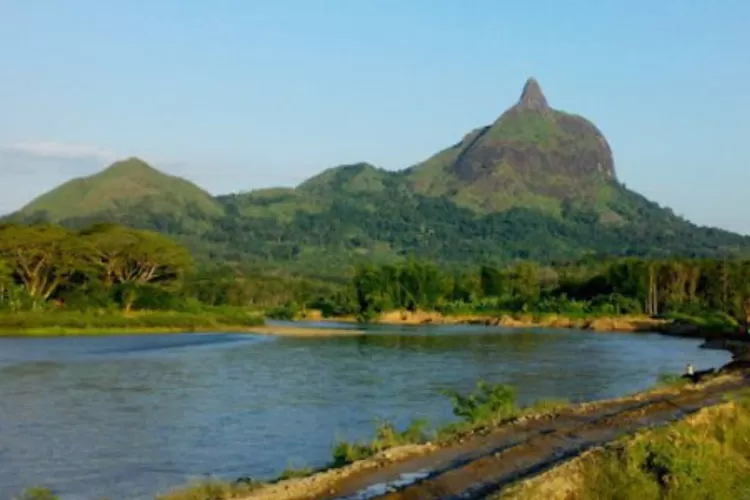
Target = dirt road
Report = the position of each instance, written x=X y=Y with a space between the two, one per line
x=511 y=456
x=485 y=463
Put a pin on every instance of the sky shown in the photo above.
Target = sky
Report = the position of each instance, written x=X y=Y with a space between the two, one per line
x=242 y=94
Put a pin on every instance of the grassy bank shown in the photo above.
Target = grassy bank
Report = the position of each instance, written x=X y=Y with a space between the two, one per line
x=705 y=456
x=487 y=406
x=482 y=411
x=477 y=413
x=112 y=322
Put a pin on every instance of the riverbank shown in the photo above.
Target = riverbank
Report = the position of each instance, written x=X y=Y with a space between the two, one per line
x=107 y=322
x=499 y=453
x=76 y=323
x=681 y=326
x=703 y=456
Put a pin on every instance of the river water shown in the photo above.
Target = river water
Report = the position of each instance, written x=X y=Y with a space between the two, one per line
x=126 y=417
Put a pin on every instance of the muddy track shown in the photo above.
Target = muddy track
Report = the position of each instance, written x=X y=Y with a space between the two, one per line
x=485 y=464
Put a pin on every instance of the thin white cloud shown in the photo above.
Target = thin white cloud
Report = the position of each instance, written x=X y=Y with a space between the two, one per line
x=60 y=150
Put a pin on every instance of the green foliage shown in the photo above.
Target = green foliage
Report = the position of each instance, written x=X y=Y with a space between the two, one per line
x=711 y=295
x=90 y=268
x=546 y=406
x=386 y=436
x=287 y=312
x=708 y=459
x=345 y=453
x=670 y=380
x=534 y=185
x=93 y=321
x=37 y=493
x=341 y=302
x=706 y=320
x=123 y=186
x=487 y=403
x=213 y=489
x=295 y=473
x=408 y=286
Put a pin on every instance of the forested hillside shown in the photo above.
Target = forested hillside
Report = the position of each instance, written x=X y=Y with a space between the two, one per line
x=537 y=184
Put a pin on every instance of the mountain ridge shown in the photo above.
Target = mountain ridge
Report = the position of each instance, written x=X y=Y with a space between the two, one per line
x=536 y=183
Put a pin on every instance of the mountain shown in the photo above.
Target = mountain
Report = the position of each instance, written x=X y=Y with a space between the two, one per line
x=128 y=186
x=537 y=183
x=532 y=155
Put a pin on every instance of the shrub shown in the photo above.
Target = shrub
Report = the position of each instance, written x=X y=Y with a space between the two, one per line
x=485 y=404
x=286 y=312
x=705 y=459
x=38 y=494
x=213 y=489
x=295 y=472
x=386 y=436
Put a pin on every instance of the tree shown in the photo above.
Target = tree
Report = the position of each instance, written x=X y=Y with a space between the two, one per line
x=526 y=284
x=6 y=282
x=41 y=258
x=5 y=274
x=492 y=282
x=128 y=256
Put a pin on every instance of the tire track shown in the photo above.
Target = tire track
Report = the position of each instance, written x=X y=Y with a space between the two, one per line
x=484 y=464
x=489 y=473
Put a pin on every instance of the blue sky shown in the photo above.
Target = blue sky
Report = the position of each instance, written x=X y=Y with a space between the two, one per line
x=242 y=94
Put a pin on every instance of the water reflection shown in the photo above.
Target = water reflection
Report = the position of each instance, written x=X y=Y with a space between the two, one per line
x=125 y=417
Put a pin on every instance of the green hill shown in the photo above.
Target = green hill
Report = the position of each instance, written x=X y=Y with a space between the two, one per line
x=123 y=186
x=538 y=183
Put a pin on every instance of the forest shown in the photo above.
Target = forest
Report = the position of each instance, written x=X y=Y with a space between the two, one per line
x=664 y=287
x=112 y=267
x=107 y=266
x=346 y=229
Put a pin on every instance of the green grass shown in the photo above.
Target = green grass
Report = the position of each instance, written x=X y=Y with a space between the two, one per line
x=37 y=493
x=709 y=322
x=295 y=473
x=487 y=403
x=213 y=489
x=670 y=380
x=108 y=321
x=386 y=436
x=485 y=406
x=124 y=183
x=706 y=459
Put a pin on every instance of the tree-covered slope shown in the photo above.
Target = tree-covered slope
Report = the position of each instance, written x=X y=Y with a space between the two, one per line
x=538 y=183
x=389 y=224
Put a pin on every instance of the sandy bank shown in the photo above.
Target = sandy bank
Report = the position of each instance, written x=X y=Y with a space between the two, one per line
x=303 y=331
x=600 y=324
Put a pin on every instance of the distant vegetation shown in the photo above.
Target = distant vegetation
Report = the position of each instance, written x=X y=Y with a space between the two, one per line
x=108 y=277
x=94 y=272
x=302 y=230
x=111 y=267
x=715 y=294
x=537 y=184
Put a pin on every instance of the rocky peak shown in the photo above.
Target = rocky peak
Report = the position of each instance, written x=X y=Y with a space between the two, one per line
x=532 y=97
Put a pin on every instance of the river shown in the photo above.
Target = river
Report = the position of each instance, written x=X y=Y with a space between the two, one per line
x=125 y=417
